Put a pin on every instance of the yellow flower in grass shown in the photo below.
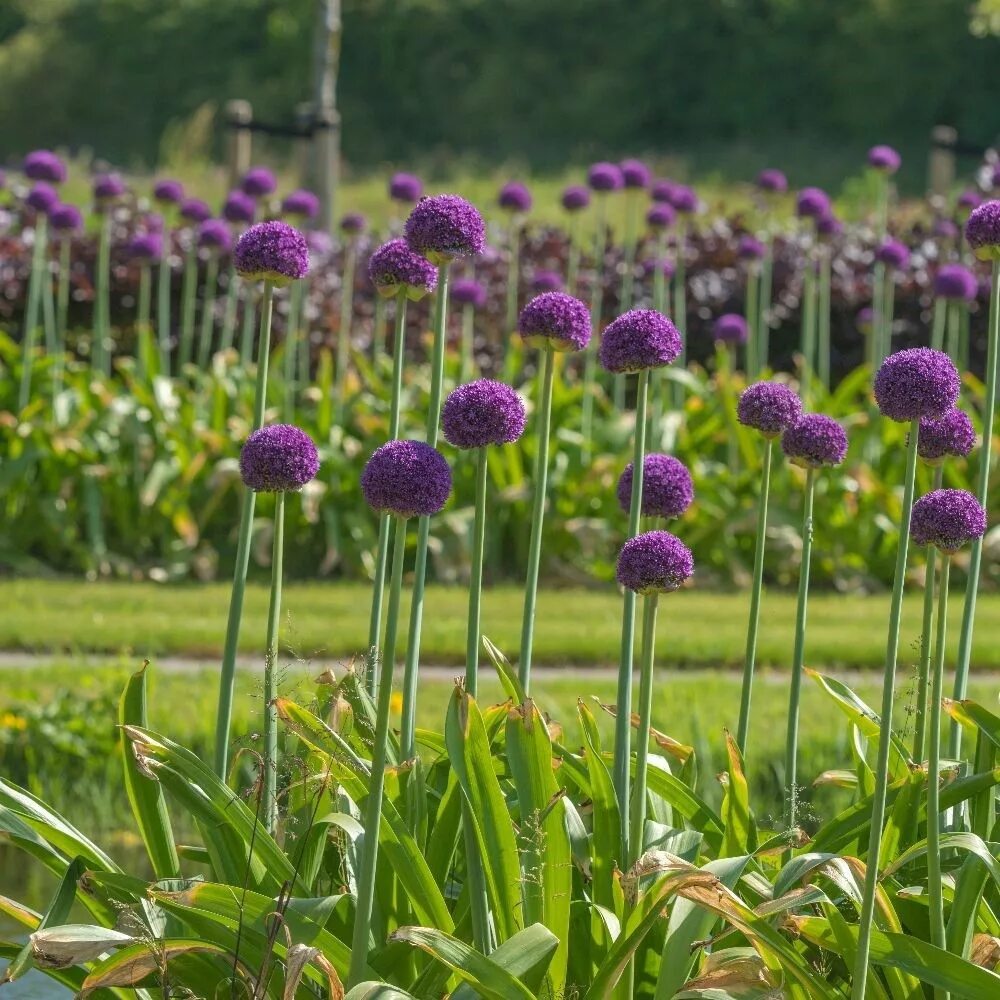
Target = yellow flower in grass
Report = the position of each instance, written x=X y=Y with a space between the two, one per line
x=396 y=702
x=11 y=721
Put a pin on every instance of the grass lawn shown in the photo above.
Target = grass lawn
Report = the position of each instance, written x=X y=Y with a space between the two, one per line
x=574 y=627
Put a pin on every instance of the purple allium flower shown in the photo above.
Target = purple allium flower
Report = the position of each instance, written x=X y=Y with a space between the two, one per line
x=813 y=441
x=278 y=458
x=301 y=203
x=546 y=281
x=605 y=177
x=655 y=562
x=637 y=340
x=195 y=210
x=969 y=199
x=730 y=328
x=353 y=224
x=575 y=197
x=750 y=248
x=481 y=413
x=168 y=192
x=66 y=219
x=239 y=208
x=982 y=230
x=772 y=181
x=468 y=292
x=406 y=478
x=667 y=489
x=272 y=251
x=42 y=197
x=153 y=222
x=214 y=234
x=947 y=519
x=320 y=243
x=514 y=197
x=955 y=282
x=865 y=320
x=662 y=191
x=829 y=225
x=258 y=182
x=107 y=187
x=684 y=199
x=769 y=407
x=635 y=174
x=950 y=435
x=557 y=320
x=394 y=266
x=812 y=203
x=444 y=227
x=919 y=382
x=660 y=216
x=884 y=158
x=405 y=187
x=893 y=254
x=44 y=165
x=945 y=229
x=146 y=246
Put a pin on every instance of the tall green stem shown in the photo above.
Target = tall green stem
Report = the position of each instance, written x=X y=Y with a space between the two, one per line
x=638 y=803
x=964 y=338
x=270 y=789
x=807 y=340
x=888 y=310
x=476 y=579
x=878 y=307
x=823 y=345
x=32 y=310
x=228 y=334
x=468 y=341
x=596 y=305
x=62 y=311
x=885 y=725
x=246 y=329
x=544 y=423
x=938 y=326
x=208 y=312
x=102 y=304
x=376 y=787
x=303 y=341
x=378 y=331
x=753 y=319
x=573 y=267
x=344 y=333
x=926 y=630
x=227 y=675
x=189 y=298
x=750 y=658
x=513 y=274
x=628 y=273
x=293 y=334
x=142 y=329
x=976 y=555
x=163 y=305
x=764 y=321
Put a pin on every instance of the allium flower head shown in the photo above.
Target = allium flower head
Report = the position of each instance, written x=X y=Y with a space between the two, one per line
x=944 y=229
x=865 y=320
x=107 y=188
x=546 y=281
x=955 y=282
x=947 y=519
x=405 y=187
x=258 y=182
x=146 y=246
x=195 y=210
x=660 y=216
x=768 y=407
x=214 y=234
x=812 y=203
x=950 y=435
x=605 y=177
x=42 y=197
x=662 y=191
x=884 y=159
x=684 y=199
x=406 y=478
x=730 y=328
x=320 y=244
x=168 y=192
x=278 y=458
x=982 y=230
x=635 y=174
x=514 y=197
x=919 y=382
x=638 y=340
x=575 y=197
x=444 y=227
x=829 y=225
x=394 y=266
x=353 y=224
x=239 y=208
x=557 y=320
x=667 y=489
x=750 y=248
x=969 y=199
x=482 y=413
x=301 y=203
x=272 y=251
x=655 y=562
x=772 y=181
x=893 y=254
x=66 y=219
x=44 y=165
x=468 y=292
x=813 y=441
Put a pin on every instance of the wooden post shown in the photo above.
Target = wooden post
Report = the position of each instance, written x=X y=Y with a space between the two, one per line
x=941 y=163
x=326 y=135
x=239 y=115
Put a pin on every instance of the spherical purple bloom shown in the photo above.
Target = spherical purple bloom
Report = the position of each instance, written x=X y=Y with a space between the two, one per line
x=239 y=208
x=655 y=562
x=684 y=199
x=514 y=197
x=772 y=181
x=395 y=266
x=955 y=282
x=108 y=187
x=605 y=177
x=44 y=165
x=405 y=187
x=444 y=227
x=557 y=320
x=66 y=219
x=969 y=199
x=272 y=251
x=947 y=519
x=406 y=478
x=168 y=192
x=813 y=441
x=812 y=203
x=214 y=234
x=468 y=292
x=730 y=328
x=635 y=174
x=258 y=182
x=667 y=489
x=146 y=246
x=638 y=340
x=893 y=254
x=546 y=281
x=353 y=224
x=42 y=197
x=829 y=225
x=944 y=229
x=769 y=407
x=153 y=222
x=982 y=230
x=301 y=203
x=884 y=158
x=949 y=436
x=575 y=197
x=481 y=413
x=662 y=191
x=660 y=216
x=750 y=248
x=195 y=210
x=278 y=458
x=919 y=382
x=865 y=319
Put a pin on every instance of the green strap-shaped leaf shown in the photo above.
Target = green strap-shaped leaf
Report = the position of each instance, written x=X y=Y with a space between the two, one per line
x=972 y=716
x=736 y=805
x=525 y=956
